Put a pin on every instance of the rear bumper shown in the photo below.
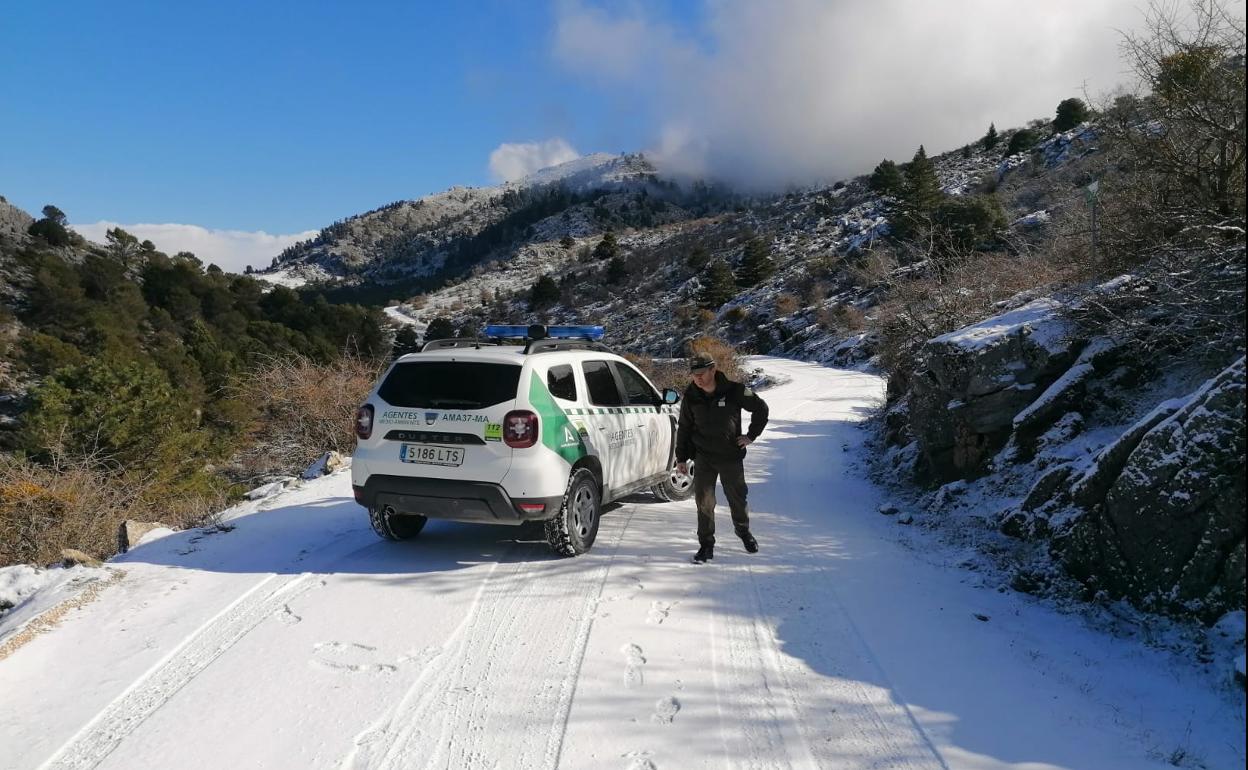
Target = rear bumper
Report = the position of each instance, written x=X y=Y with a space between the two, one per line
x=471 y=501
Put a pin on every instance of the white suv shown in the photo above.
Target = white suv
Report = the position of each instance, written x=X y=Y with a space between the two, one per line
x=479 y=431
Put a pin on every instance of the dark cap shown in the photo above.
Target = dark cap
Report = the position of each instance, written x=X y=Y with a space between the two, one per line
x=700 y=361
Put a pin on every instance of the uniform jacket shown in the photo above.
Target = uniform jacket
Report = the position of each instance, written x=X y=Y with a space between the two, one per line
x=710 y=423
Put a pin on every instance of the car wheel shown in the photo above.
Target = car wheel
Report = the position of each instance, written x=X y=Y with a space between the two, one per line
x=676 y=486
x=395 y=526
x=572 y=531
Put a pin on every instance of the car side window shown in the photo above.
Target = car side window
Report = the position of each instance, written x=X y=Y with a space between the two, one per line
x=561 y=383
x=636 y=389
x=601 y=383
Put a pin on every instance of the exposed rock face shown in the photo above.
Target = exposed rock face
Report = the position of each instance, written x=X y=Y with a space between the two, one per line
x=14 y=222
x=976 y=380
x=1164 y=522
x=131 y=532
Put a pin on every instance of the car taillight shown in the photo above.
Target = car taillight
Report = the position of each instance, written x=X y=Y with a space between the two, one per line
x=364 y=421
x=520 y=429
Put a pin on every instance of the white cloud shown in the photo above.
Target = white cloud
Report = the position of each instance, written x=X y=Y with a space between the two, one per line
x=230 y=250
x=512 y=161
x=798 y=91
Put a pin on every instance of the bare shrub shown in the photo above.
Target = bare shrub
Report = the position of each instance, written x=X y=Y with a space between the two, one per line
x=787 y=304
x=664 y=374
x=705 y=317
x=726 y=357
x=304 y=409
x=80 y=503
x=964 y=289
x=737 y=314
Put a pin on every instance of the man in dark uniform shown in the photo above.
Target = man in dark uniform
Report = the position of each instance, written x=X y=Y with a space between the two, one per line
x=710 y=434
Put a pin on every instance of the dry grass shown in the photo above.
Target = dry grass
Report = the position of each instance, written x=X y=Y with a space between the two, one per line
x=787 y=304
x=675 y=374
x=80 y=503
x=961 y=290
x=304 y=409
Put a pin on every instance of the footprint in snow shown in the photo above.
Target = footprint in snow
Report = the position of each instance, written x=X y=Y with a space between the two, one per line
x=286 y=616
x=665 y=710
x=658 y=612
x=633 y=660
x=640 y=761
x=347 y=656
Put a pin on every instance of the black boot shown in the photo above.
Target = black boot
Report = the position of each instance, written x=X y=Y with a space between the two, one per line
x=751 y=545
x=705 y=553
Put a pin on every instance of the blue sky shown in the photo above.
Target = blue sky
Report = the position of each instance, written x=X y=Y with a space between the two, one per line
x=282 y=116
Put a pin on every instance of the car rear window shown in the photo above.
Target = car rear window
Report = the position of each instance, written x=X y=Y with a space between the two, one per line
x=450 y=384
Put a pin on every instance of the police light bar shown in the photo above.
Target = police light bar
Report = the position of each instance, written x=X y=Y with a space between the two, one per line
x=541 y=332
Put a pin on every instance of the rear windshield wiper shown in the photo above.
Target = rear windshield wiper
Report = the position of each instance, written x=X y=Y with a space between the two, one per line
x=445 y=402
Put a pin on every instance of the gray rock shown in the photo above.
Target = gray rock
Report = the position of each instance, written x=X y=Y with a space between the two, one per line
x=975 y=381
x=889 y=509
x=1165 y=525
x=130 y=532
x=71 y=557
x=905 y=518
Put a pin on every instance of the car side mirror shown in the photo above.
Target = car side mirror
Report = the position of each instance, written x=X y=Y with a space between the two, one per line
x=670 y=396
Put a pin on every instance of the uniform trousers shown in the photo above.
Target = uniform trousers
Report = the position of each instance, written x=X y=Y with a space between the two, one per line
x=732 y=474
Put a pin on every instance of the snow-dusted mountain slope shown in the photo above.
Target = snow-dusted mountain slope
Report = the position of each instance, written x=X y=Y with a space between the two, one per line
x=297 y=639
x=414 y=239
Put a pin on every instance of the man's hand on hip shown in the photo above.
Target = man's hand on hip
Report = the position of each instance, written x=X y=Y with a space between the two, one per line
x=682 y=469
x=744 y=441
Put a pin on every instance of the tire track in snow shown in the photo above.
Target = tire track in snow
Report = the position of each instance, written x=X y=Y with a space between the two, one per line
x=870 y=727
x=99 y=737
x=762 y=704
x=499 y=692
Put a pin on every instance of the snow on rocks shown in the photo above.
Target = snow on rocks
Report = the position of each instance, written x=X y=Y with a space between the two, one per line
x=975 y=380
x=1160 y=517
x=1034 y=219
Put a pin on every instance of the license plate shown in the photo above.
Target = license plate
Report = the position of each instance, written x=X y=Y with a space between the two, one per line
x=427 y=454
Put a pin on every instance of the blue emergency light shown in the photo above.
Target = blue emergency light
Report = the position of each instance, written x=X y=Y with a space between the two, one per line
x=538 y=331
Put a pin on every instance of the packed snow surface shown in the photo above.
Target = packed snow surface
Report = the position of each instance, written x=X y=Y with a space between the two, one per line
x=292 y=637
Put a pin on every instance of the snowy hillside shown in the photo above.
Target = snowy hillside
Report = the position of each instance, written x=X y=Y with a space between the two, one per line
x=291 y=637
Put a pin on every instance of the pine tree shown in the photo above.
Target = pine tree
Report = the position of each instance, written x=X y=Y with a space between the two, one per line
x=756 y=265
x=990 y=139
x=922 y=190
x=1022 y=140
x=1070 y=113
x=616 y=270
x=718 y=286
x=886 y=179
x=607 y=247
x=439 y=329
x=406 y=340
x=544 y=293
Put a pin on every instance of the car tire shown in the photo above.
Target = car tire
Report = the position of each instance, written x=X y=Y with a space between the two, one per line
x=676 y=486
x=395 y=526
x=572 y=531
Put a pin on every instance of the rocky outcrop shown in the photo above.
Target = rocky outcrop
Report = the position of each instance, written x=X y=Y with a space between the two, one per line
x=974 y=382
x=130 y=532
x=13 y=222
x=1159 y=516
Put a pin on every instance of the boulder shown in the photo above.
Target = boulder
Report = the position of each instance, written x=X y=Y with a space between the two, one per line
x=130 y=532
x=973 y=382
x=71 y=557
x=1164 y=507
x=324 y=465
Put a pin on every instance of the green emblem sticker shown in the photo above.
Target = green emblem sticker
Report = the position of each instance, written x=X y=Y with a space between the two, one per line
x=493 y=431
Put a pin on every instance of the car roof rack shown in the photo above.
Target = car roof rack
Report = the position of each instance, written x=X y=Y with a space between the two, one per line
x=456 y=342
x=548 y=344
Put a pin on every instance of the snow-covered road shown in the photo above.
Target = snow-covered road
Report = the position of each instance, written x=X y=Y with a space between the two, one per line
x=300 y=640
